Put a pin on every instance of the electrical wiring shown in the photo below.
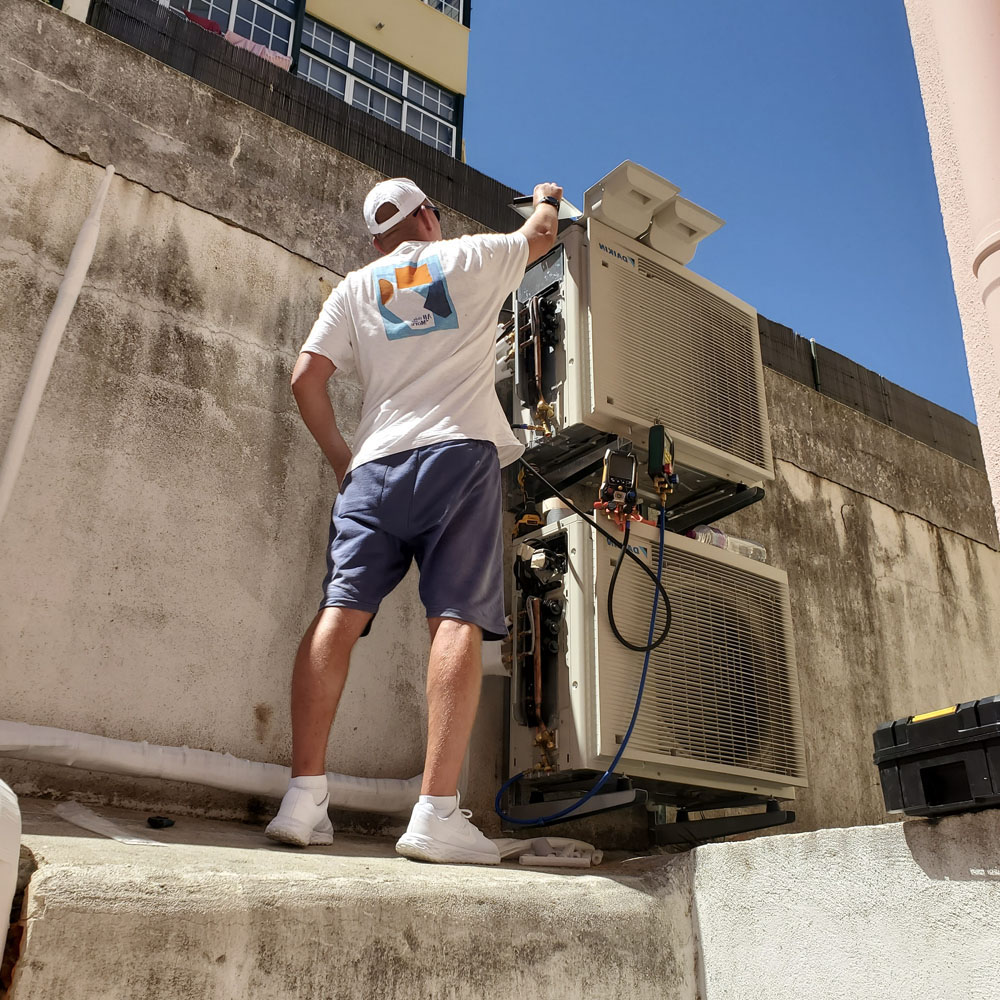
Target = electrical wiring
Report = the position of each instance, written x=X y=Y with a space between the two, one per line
x=611 y=599
x=625 y=550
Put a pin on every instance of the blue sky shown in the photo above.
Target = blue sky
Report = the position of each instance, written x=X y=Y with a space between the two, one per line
x=797 y=121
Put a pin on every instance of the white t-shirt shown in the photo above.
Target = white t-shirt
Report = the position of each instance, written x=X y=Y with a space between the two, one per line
x=417 y=328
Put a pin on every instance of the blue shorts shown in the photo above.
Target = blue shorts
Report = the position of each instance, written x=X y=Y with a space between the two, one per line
x=439 y=505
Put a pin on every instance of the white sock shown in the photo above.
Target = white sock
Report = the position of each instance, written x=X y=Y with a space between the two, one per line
x=315 y=783
x=444 y=805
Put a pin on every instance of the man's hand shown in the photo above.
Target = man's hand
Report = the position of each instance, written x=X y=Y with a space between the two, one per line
x=546 y=190
x=540 y=230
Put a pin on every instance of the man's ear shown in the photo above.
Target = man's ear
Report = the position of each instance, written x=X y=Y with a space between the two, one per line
x=375 y=243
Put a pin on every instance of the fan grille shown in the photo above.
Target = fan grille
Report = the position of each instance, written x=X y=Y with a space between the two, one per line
x=667 y=348
x=722 y=688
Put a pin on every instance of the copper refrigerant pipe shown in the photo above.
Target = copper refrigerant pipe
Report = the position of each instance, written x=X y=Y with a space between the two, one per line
x=536 y=616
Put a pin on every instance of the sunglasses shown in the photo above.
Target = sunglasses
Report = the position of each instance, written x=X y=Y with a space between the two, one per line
x=433 y=208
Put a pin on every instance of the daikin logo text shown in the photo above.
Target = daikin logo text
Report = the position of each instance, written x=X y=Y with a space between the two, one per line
x=617 y=254
x=639 y=550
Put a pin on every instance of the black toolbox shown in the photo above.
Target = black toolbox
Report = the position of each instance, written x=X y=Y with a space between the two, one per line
x=941 y=762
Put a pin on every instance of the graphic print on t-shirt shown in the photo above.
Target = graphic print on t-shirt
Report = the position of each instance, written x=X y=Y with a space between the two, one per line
x=413 y=298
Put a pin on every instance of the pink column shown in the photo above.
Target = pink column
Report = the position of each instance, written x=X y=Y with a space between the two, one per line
x=956 y=44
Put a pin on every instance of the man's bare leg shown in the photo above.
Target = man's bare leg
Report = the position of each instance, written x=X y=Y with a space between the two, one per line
x=321 y=666
x=318 y=678
x=438 y=830
x=454 y=677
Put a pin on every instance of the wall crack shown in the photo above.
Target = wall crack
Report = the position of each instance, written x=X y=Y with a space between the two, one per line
x=166 y=194
x=879 y=500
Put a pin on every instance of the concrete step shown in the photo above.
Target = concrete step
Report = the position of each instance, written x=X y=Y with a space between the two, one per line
x=218 y=912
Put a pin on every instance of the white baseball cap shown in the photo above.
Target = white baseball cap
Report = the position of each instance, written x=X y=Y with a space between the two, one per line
x=401 y=193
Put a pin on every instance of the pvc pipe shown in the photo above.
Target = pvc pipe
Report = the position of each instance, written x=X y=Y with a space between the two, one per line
x=968 y=39
x=48 y=345
x=10 y=849
x=202 y=767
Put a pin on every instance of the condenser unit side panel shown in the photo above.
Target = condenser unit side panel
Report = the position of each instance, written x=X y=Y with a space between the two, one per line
x=578 y=726
x=562 y=276
x=721 y=692
x=669 y=345
x=578 y=392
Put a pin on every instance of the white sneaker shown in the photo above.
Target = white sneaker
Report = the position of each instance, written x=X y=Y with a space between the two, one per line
x=451 y=840
x=300 y=820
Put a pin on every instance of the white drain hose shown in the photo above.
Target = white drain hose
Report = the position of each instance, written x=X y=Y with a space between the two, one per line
x=202 y=767
x=10 y=848
x=48 y=344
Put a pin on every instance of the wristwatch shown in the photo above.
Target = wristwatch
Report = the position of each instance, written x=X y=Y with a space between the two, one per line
x=549 y=200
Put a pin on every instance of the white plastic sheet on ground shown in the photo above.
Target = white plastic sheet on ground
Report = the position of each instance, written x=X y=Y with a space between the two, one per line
x=550 y=852
x=87 y=819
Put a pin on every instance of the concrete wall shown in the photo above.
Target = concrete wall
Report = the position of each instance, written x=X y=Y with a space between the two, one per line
x=890 y=550
x=166 y=535
x=169 y=523
x=901 y=911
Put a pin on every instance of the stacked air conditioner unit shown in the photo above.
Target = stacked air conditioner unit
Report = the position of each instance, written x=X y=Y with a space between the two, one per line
x=613 y=333
x=721 y=705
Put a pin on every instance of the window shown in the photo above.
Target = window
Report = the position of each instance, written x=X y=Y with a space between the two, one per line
x=430 y=130
x=383 y=88
x=323 y=75
x=377 y=68
x=376 y=104
x=214 y=10
x=260 y=24
x=453 y=8
x=326 y=41
x=431 y=97
x=255 y=20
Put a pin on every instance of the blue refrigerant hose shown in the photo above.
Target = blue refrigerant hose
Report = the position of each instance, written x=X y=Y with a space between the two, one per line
x=540 y=821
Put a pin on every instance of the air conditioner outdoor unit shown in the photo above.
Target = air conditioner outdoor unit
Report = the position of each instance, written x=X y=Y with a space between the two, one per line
x=614 y=336
x=721 y=704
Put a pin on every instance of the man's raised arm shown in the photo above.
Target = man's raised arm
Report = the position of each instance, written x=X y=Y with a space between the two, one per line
x=541 y=228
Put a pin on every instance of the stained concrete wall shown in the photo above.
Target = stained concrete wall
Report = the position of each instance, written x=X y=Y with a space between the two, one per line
x=899 y=911
x=890 y=550
x=165 y=540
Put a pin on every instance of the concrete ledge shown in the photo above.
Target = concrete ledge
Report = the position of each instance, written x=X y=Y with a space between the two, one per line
x=221 y=913
x=896 y=911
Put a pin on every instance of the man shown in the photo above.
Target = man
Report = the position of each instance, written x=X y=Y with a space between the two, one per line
x=417 y=329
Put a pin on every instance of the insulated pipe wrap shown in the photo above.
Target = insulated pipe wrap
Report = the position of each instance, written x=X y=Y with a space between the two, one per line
x=202 y=767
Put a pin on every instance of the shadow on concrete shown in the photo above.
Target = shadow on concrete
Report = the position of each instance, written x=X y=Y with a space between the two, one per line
x=960 y=848
x=649 y=873
x=26 y=867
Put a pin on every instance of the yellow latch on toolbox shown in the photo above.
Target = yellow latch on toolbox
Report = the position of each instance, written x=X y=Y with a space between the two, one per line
x=950 y=710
